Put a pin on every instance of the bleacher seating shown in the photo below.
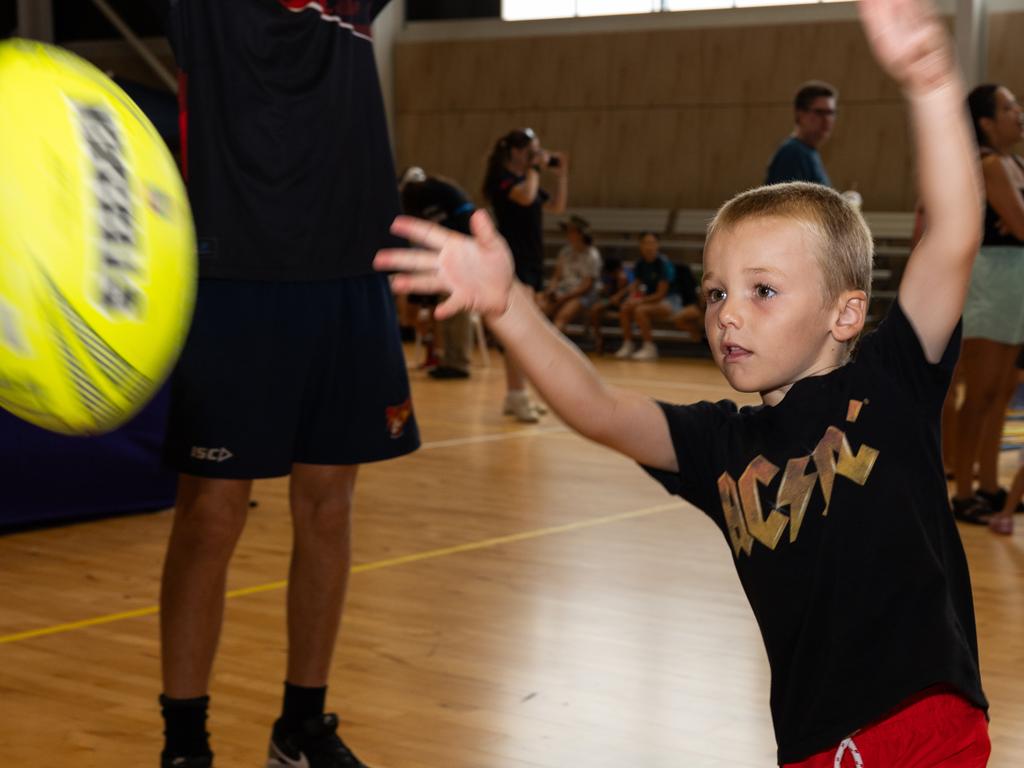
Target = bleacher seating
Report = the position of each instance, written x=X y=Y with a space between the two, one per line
x=617 y=230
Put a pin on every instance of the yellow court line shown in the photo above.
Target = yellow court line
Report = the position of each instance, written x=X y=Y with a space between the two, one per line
x=493 y=438
x=377 y=565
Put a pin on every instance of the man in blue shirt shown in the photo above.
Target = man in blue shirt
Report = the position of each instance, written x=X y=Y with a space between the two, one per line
x=797 y=158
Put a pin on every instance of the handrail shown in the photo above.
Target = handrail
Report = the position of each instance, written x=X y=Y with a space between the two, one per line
x=136 y=43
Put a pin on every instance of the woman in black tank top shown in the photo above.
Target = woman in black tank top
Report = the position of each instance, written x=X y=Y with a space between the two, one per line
x=994 y=312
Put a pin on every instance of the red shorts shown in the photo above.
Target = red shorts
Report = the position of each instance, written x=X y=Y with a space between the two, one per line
x=934 y=729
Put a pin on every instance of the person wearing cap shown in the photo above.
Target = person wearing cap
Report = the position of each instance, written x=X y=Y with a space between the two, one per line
x=442 y=201
x=573 y=286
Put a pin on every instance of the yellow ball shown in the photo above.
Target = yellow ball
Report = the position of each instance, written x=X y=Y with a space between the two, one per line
x=97 y=246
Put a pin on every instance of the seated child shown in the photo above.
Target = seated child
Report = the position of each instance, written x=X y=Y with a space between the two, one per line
x=613 y=287
x=574 y=284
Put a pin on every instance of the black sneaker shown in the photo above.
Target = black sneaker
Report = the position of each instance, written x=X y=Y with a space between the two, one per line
x=205 y=761
x=448 y=372
x=316 y=745
x=971 y=510
x=997 y=500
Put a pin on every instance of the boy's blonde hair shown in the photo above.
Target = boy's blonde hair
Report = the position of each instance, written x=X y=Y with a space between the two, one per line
x=846 y=249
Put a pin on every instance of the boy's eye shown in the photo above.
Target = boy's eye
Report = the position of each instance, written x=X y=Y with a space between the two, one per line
x=715 y=295
x=764 y=291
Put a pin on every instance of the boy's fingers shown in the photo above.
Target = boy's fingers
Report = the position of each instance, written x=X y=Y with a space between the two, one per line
x=423 y=232
x=450 y=306
x=418 y=284
x=483 y=228
x=405 y=260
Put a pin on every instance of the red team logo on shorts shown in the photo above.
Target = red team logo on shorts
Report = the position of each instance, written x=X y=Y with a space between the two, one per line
x=397 y=416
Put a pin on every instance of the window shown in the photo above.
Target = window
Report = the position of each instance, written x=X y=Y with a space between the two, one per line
x=516 y=10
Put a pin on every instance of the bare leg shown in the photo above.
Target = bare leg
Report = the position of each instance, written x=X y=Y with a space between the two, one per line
x=646 y=314
x=566 y=313
x=992 y=428
x=689 y=320
x=984 y=374
x=596 y=321
x=1002 y=521
x=321 y=499
x=1016 y=494
x=208 y=520
x=515 y=381
x=626 y=322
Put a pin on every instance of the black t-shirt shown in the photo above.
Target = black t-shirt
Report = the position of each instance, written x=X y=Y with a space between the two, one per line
x=520 y=225
x=286 y=147
x=834 y=505
x=438 y=201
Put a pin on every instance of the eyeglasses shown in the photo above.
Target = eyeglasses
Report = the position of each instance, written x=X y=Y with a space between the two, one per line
x=822 y=112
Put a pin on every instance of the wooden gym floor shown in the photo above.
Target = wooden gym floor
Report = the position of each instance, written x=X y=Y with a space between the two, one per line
x=521 y=599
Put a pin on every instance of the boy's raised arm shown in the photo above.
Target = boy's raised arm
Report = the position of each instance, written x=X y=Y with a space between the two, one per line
x=911 y=44
x=477 y=274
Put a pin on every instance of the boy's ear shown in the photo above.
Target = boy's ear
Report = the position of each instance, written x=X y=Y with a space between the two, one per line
x=852 y=312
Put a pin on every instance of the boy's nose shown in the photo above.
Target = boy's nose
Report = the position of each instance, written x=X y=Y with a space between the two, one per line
x=728 y=315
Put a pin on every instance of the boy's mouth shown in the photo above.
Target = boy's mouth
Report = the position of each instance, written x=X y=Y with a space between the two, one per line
x=732 y=353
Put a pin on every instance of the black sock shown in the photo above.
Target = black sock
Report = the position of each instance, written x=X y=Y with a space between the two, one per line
x=185 y=726
x=301 y=704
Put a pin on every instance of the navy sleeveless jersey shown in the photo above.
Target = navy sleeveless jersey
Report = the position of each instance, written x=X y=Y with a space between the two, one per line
x=285 y=147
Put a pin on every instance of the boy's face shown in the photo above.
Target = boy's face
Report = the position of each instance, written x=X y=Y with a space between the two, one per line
x=767 y=322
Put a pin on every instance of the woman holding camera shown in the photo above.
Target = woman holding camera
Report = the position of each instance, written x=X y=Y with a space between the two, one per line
x=512 y=186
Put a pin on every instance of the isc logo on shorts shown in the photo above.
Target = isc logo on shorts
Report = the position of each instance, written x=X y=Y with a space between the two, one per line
x=211 y=454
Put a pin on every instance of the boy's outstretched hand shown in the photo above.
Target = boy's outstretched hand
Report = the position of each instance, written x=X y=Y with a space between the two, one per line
x=475 y=271
x=910 y=42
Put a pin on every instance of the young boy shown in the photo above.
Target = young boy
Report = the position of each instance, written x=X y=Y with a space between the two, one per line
x=831 y=494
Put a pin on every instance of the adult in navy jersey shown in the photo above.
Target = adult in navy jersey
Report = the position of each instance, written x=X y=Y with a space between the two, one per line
x=512 y=187
x=293 y=365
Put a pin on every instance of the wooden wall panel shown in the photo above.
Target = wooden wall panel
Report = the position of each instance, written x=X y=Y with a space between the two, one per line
x=1006 y=51
x=736 y=143
x=656 y=157
x=871 y=151
x=650 y=69
x=585 y=136
x=751 y=65
x=667 y=118
x=566 y=73
x=839 y=54
x=418 y=80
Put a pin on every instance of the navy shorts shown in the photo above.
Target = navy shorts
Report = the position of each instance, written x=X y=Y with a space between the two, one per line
x=275 y=373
